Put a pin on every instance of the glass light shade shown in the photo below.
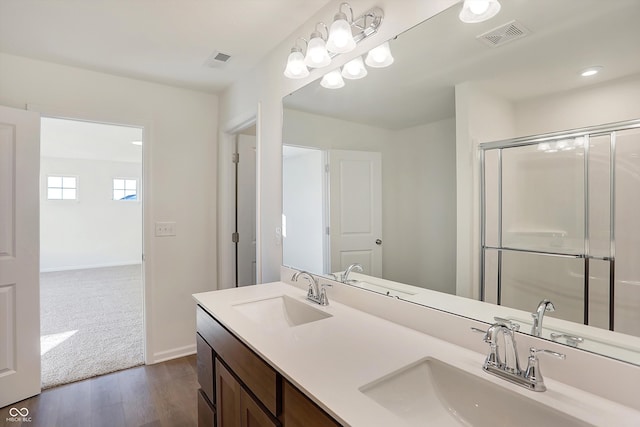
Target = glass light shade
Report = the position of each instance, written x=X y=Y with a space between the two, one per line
x=354 y=69
x=296 y=69
x=474 y=11
x=317 y=54
x=379 y=57
x=340 y=35
x=332 y=80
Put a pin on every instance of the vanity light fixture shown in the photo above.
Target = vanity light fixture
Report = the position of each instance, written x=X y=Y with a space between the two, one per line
x=296 y=68
x=340 y=34
x=474 y=11
x=354 y=69
x=332 y=80
x=317 y=54
x=379 y=57
x=591 y=71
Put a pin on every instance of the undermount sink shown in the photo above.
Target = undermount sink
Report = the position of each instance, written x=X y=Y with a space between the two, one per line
x=282 y=311
x=431 y=392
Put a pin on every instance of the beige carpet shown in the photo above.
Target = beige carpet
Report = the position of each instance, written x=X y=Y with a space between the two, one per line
x=91 y=322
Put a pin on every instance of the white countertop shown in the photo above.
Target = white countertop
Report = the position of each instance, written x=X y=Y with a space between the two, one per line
x=329 y=360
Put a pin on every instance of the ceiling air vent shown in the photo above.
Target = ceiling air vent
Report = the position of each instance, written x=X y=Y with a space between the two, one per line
x=217 y=59
x=506 y=33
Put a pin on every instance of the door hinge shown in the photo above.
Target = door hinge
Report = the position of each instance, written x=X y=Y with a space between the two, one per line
x=328 y=231
x=235 y=157
x=235 y=237
x=326 y=168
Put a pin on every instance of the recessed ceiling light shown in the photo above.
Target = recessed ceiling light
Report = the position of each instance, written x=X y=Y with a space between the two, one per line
x=136 y=142
x=591 y=71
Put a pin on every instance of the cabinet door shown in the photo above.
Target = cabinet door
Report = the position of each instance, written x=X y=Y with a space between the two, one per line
x=252 y=415
x=227 y=398
x=206 y=413
x=299 y=411
x=205 y=368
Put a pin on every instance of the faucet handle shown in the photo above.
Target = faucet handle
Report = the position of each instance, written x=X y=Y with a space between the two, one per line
x=323 y=293
x=532 y=373
x=534 y=351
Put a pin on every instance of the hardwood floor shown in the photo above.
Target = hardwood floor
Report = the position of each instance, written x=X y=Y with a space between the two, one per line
x=161 y=395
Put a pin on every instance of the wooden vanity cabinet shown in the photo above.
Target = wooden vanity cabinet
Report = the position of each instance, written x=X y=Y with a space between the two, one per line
x=239 y=389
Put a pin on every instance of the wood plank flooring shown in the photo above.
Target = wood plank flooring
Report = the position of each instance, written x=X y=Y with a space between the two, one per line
x=160 y=395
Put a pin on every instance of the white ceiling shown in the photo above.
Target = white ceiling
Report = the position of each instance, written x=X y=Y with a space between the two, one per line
x=166 y=41
x=430 y=59
x=72 y=139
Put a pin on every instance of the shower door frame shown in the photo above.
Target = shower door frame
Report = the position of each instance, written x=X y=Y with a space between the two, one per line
x=610 y=129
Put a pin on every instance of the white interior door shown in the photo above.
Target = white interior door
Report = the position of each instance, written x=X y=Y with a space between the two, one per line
x=355 y=188
x=19 y=255
x=246 y=210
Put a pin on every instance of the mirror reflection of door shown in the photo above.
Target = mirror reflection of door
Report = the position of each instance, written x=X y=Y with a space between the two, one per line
x=246 y=210
x=355 y=179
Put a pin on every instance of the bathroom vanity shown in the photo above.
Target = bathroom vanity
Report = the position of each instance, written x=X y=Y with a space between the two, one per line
x=238 y=388
x=269 y=357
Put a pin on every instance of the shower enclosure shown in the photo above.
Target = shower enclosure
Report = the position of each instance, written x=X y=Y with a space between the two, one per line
x=561 y=220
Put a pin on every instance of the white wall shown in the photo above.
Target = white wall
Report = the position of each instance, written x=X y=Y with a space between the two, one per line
x=266 y=85
x=93 y=231
x=419 y=205
x=303 y=195
x=598 y=104
x=180 y=173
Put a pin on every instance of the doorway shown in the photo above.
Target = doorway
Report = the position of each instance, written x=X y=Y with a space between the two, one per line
x=244 y=236
x=91 y=281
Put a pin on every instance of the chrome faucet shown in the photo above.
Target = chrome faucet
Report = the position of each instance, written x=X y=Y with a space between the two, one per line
x=344 y=277
x=511 y=363
x=316 y=293
x=509 y=369
x=544 y=306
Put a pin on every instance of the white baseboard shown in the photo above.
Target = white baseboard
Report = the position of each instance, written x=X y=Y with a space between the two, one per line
x=86 y=267
x=163 y=356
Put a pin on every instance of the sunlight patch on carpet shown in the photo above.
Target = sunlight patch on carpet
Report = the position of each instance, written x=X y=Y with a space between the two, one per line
x=48 y=342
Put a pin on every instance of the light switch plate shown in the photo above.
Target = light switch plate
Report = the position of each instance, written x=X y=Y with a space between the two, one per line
x=165 y=229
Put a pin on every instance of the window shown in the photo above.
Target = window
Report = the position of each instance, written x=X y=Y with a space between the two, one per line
x=125 y=189
x=62 y=188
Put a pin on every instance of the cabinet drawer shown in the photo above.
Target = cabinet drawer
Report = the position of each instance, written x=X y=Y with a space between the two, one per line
x=259 y=377
x=206 y=413
x=205 y=368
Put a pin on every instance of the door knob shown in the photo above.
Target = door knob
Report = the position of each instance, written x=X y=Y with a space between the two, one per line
x=378 y=242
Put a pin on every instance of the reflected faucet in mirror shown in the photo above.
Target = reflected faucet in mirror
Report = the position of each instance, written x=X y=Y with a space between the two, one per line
x=544 y=306
x=344 y=277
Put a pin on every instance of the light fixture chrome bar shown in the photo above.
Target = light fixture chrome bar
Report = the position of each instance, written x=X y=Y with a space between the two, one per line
x=374 y=16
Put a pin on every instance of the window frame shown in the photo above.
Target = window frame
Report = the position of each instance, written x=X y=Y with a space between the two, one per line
x=125 y=179
x=62 y=176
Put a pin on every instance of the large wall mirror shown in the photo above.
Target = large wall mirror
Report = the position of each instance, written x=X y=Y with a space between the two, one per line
x=387 y=172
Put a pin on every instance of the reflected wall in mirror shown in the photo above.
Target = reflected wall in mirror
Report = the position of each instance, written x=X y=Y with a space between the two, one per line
x=423 y=119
